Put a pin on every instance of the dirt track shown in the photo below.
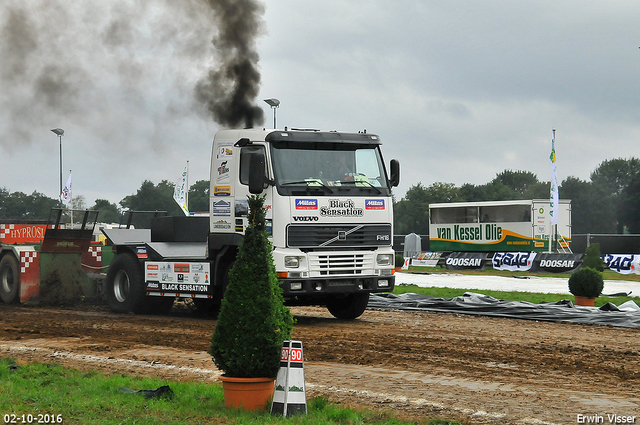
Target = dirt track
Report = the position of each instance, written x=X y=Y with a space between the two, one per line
x=475 y=369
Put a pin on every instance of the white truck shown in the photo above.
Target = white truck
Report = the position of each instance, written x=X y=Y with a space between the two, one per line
x=329 y=216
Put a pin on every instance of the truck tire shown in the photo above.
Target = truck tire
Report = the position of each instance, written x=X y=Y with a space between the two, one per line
x=125 y=286
x=206 y=307
x=348 y=307
x=9 y=279
x=161 y=305
x=211 y=307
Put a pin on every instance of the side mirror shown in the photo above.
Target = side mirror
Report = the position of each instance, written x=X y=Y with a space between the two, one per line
x=256 y=173
x=394 y=179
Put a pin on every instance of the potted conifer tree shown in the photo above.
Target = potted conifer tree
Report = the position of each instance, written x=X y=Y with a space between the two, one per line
x=253 y=321
x=592 y=258
x=586 y=285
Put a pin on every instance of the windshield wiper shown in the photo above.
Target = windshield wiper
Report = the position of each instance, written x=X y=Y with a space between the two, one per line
x=310 y=184
x=357 y=183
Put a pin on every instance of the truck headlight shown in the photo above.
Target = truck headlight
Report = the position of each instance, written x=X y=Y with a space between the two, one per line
x=296 y=286
x=291 y=262
x=384 y=259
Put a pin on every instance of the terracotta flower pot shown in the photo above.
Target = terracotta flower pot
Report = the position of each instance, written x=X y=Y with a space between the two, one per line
x=247 y=393
x=584 y=301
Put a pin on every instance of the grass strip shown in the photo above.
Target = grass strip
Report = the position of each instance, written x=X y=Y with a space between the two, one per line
x=49 y=393
x=532 y=297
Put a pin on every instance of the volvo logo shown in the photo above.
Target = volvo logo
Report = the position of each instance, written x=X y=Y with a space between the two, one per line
x=305 y=218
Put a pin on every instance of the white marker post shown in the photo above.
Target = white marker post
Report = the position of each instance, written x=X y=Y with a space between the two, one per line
x=289 y=396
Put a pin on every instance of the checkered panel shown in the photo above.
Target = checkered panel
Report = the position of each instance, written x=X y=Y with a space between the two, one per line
x=5 y=229
x=26 y=259
x=96 y=253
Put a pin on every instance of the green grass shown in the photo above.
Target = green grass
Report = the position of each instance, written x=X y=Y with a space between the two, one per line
x=606 y=275
x=79 y=397
x=532 y=297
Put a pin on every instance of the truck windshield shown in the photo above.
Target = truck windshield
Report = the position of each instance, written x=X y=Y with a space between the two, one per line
x=328 y=168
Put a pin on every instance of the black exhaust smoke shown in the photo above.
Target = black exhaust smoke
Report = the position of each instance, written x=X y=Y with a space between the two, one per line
x=230 y=89
x=58 y=69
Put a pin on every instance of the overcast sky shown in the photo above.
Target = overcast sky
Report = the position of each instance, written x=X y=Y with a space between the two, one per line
x=457 y=90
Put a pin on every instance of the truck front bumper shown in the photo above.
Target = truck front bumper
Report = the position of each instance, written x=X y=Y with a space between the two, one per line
x=311 y=287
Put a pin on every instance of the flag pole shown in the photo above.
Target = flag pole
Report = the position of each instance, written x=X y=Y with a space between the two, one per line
x=186 y=195
x=71 y=200
x=552 y=207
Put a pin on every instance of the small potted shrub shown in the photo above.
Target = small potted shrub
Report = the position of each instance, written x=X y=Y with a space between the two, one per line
x=253 y=321
x=586 y=285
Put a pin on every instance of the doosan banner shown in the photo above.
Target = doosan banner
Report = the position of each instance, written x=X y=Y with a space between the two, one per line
x=465 y=260
x=557 y=263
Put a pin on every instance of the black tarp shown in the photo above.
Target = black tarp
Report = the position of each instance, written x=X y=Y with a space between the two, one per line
x=484 y=305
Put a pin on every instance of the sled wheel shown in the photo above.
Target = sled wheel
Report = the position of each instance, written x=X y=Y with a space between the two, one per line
x=9 y=279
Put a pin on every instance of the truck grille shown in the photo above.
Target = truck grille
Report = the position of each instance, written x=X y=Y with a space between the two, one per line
x=364 y=235
x=336 y=264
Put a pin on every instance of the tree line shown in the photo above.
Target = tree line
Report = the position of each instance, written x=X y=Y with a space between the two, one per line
x=609 y=202
x=149 y=197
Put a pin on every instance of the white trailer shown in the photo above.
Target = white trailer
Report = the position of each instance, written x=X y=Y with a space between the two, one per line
x=494 y=226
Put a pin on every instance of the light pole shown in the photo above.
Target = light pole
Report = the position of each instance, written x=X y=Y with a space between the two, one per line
x=274 y=103
x=59 y=132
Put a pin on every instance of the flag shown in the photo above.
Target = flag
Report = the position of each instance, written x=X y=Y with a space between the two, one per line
x=554 y=196
x=180 y=192
x=65 y=196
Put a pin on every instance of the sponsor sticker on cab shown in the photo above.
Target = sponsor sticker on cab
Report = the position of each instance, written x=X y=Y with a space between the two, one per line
x=374 y=204
x=224 y=152
x=306 y=204
x=222 y=191
x=221 y=208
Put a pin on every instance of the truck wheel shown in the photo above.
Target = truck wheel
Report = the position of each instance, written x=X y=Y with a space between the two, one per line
x=9 y=279
x=224 y=280
x=125 y=286
x=211 y=307
x=161 y=305
x=348 y=307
